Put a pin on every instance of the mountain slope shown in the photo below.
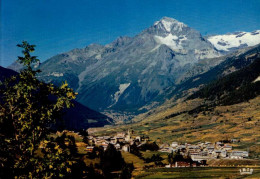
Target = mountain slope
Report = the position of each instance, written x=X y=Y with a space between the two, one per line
x=81 y=117
x=236 y=87
x=130 y=73
x=228 y=108
x=134 y=74
x=227 y=65
x=6 y=73
x=76 y=118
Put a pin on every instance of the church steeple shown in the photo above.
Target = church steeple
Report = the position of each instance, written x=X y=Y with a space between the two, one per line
x=128 y=136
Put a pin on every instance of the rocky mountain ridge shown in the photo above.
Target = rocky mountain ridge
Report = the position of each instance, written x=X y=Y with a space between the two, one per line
x=132 y=74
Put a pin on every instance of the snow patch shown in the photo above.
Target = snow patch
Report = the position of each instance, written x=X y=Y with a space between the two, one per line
x=167 y=25
x=122 y=88
x=257 y=79
x=172 y=41
x=206 y=53
x=155 y=48
x=225 y=42
x=56 y=74
x=98 y=56
x=157 y=22
x=179 y=26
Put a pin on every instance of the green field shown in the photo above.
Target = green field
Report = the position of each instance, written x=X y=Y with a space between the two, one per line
x=199 y=172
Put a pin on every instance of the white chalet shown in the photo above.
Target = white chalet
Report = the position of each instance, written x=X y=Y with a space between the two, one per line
x=174 y=144
x=126 y=148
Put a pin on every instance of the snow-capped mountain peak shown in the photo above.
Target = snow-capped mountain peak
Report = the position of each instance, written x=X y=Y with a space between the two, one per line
x=181 y=39
x=234 y=41
x=170 y=24
x=130 y=73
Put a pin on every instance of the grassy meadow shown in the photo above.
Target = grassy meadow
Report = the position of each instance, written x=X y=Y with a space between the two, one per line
x=200 y=172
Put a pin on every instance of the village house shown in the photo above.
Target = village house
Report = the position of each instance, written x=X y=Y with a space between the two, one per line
x=238 y=154
x=138 y=138
x=227 y=147
x=117 y=146
x=167 y=149
x=89 y=148
x=209 y=149
x=200 y=158
x=189 y=164
x=120 y=139
x=180 y=147
x=219 y=153
x=219 y=145
x=120 y=135
x=174 y=144
x=203 y=153
x=113 y=140
x=107 y=138
x=182 y=164
x=104 y=145
x=194 y=153
x=126 y=148
x=193 y=148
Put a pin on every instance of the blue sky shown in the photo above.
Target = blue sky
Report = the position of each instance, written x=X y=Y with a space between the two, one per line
x=56 y=26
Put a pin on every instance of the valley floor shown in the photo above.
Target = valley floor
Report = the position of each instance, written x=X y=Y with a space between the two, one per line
x=240 y=121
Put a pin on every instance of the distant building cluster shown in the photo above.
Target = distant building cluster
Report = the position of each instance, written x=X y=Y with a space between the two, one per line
x=122 y=141
x=205 y=150
x=199 y=153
